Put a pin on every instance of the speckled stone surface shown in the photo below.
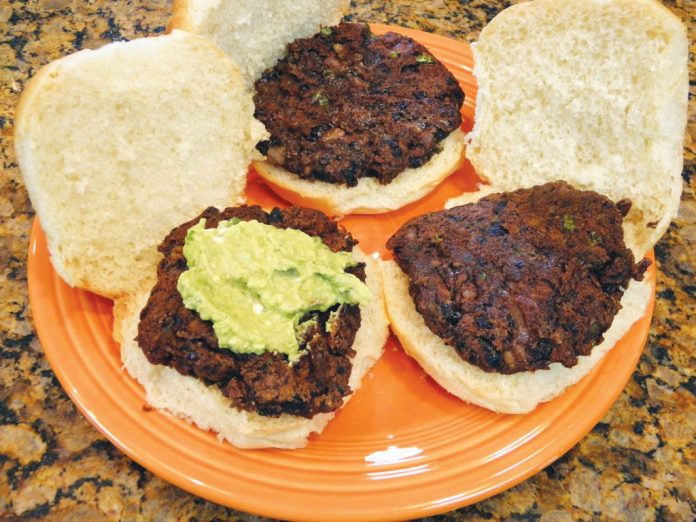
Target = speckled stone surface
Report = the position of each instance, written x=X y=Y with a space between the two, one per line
x=639 y=462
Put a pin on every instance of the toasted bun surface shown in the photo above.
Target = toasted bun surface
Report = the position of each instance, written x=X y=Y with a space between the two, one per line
x=592 y=92
x=254 y=33
x=208 y=408
x=368 y=196
x=119 y=145
x=516 y=393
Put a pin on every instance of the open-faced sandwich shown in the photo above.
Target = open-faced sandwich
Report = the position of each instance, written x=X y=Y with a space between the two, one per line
x=580 y=118
x=260 y=327
x=358 y=122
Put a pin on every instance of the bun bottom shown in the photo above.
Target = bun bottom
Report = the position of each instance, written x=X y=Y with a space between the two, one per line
x=516 y=393
x=206 y=406
x=368 y=196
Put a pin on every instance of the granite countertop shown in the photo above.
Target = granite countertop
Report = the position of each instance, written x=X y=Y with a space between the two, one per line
x=638 y=463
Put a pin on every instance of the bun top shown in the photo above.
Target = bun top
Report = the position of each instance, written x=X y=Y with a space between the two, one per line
x=119 y=145
x=594 y=93
x=255 y=33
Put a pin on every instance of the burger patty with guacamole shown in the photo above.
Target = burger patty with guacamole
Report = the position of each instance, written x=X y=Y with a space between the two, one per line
x=262 y=304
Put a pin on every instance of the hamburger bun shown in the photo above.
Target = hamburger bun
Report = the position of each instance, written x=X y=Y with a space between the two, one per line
x=254 y=33
x=119 y=145
x=593 y=93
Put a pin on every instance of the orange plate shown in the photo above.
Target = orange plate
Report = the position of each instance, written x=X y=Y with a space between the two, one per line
x=401 y=448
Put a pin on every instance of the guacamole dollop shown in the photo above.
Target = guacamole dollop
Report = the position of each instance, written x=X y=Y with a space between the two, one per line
x=255 y=282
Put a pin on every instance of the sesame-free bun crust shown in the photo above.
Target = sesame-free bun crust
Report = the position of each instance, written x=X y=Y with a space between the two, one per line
x=368 y=196
x=119 y=145
x=255 y=33
x=516 y=393
x=592 y=92
x=206 y=406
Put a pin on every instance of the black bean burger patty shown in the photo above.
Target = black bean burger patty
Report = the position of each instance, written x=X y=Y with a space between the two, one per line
x=346 y=104
x=520 y=280
x=172 y=335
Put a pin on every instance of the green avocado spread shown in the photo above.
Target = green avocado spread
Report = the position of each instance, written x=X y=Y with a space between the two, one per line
x=255 y=282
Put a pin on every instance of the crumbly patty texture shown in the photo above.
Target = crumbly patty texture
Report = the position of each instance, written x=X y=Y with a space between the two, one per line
x=519 y=280
x=346 y=104
x=172 y=335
